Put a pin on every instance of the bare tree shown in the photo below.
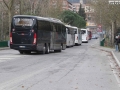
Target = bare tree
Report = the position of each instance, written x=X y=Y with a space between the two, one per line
x=107 y=15
x=8 y=8
x=9 y=5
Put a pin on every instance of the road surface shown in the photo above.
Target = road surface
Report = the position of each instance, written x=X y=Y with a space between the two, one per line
x=76 y=68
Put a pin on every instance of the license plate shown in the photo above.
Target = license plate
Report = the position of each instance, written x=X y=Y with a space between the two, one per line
x=22 y=46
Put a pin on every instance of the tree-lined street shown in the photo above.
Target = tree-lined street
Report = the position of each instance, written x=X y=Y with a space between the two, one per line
x=77 y=68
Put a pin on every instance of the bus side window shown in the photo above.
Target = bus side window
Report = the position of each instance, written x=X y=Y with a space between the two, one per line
x=69 y=31
x=75 y=31
x=44 y=25
x=64 y=31
x=53 y=27
x=56 y=27
x=59 y=28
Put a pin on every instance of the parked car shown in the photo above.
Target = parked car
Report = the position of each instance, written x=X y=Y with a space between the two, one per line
x=94 y=36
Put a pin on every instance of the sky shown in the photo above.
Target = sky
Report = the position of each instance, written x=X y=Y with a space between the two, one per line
x=74 y=1
x=77 y=1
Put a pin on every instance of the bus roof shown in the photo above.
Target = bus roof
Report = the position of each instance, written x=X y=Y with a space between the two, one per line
x=40 y=18
x=83 y=29
x=71 y=26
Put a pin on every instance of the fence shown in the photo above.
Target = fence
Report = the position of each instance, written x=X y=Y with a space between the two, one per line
x=4 y=43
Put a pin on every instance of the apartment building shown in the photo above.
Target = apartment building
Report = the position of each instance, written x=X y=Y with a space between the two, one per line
x=76 y=4
x=67 y=5
x=90 y=18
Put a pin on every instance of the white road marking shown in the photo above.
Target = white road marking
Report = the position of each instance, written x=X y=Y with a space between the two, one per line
x=5 y=58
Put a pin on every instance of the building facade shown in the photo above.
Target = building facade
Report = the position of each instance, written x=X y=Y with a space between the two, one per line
x=67 y=5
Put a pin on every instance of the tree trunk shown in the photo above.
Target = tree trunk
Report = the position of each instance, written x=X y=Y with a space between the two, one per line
x=113 y=32
x=2 y=27
x=9 y=13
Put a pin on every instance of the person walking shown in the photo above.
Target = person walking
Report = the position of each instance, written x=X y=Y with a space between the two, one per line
x=116 y=43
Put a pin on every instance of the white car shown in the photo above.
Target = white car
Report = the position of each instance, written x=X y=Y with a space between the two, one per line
x=94 y=36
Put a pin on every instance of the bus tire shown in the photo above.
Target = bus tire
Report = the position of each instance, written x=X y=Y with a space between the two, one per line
x=59 y=50
x=44 y=50
x=61 y=47
x=76 y=44
x=47 y=49
x=21 y=52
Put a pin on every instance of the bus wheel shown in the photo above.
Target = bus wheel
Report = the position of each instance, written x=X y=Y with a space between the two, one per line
x=21 y=52
x=60 y=48
x=47 y=49
x=44 y=50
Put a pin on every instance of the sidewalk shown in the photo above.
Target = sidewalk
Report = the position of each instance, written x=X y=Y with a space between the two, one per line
x=4 y=48
x=117 y=57
x=115 y=54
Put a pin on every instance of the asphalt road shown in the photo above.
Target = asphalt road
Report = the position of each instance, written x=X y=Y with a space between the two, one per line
x=76 y=68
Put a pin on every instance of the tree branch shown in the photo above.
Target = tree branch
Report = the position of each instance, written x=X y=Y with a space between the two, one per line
x=6 y=4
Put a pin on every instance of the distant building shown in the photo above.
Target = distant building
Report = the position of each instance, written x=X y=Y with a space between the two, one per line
x=76 y=4
x=90 y=18
x=67 y=5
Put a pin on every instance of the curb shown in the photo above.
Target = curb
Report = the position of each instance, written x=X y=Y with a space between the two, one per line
x=4 y=48
x=118 y=62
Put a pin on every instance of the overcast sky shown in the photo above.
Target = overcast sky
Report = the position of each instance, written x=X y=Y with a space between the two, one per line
x=74 y=1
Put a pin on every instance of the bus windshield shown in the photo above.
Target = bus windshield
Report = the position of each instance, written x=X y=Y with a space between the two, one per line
x=23 y=22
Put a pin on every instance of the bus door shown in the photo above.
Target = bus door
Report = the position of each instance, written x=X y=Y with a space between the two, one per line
x=52 y=41
x=72 y=37
x=22 y=32
x=68 y=36
x=80 y=36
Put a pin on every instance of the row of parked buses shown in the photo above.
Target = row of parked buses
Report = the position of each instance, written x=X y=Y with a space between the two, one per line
x=41 y=34
x=73 y=36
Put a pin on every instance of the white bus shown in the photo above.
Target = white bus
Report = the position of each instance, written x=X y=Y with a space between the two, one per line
x=78 y=36
x=70 y=36
x=85 y=36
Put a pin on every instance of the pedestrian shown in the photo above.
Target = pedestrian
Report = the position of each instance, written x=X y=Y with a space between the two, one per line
x=117 y=43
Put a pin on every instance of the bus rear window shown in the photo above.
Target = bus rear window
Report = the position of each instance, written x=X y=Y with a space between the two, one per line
x=23 y=21
x=83 y=31
x=75 y=31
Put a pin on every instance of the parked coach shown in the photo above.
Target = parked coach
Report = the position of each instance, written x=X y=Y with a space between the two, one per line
x=38 y=34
